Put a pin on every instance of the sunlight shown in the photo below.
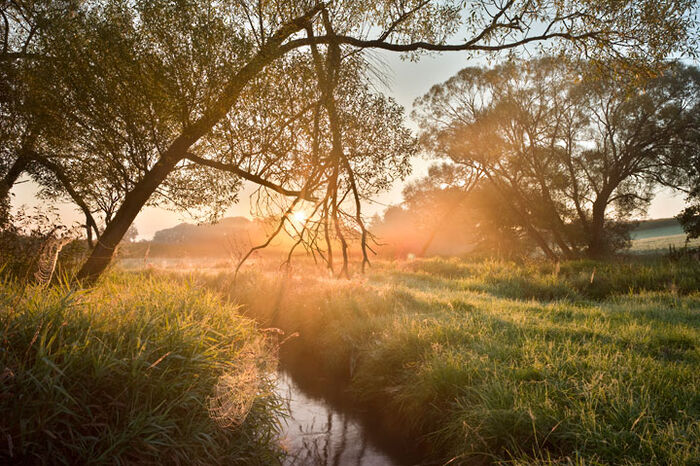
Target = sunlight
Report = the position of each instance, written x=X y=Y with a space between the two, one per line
x=327 y=251
x=300 y=216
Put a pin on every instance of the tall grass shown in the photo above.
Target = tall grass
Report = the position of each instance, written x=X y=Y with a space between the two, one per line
x=140 y=369
x=493 y=362
x=574 y=280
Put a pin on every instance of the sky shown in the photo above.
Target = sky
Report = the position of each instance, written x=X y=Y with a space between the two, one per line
x=405 y=81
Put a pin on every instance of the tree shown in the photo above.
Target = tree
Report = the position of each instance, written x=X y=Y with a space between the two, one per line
x=131 y=234
x=17 y=122
x=689 y=219
x=344 y=144
x=639 y=140
x=452 y=211
x=563 y=149
x=196 y=59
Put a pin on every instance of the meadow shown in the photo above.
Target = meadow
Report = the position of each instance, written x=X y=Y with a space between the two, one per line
x=141 y=369
x=470 y=362
x=659 y=237
x=493 y=362
x=661 y=244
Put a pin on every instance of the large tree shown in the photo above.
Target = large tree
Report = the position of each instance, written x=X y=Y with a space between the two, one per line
x=565 y=151
x=189 y=63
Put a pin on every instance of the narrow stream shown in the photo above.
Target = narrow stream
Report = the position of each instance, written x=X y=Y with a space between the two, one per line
x=319 y=432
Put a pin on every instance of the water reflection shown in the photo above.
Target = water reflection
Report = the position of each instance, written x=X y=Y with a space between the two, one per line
x=316 y=434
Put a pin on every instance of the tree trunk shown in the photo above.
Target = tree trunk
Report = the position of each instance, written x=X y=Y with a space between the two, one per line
x=597 y=243
x=10 y=178
x=90 y=223
x=597 y=247
x=114 y=232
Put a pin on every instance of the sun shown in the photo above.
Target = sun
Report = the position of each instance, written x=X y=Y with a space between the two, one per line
x=299 y=216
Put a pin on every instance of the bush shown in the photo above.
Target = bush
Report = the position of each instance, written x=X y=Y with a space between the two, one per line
x=24 y=245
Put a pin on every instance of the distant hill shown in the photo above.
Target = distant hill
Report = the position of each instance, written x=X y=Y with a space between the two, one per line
x=228 y=237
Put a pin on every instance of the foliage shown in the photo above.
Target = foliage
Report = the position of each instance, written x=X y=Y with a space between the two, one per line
x=116 y=105
x=125 y=372
x=571 y=157
x=689 y=219
x=451 y=212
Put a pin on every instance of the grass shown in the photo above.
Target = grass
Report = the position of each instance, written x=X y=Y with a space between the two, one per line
x=660 y=244
x=480 y=362
x=141 y=369
x=499 y=362
x=572 y=280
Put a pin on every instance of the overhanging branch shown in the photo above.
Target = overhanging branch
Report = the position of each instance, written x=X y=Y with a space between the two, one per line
x=230 y=168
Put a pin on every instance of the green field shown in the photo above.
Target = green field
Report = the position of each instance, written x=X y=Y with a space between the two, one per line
x=474 y=362
x=657 y=228
x=656 y=236
x=661 y=244
x=498 y=362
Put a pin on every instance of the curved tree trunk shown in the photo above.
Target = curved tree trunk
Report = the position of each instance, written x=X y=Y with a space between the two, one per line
x=135 y=200
x=12 y=175
x=59 y=173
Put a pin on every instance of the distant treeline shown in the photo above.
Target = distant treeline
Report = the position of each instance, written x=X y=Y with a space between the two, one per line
x=230 y=238
x=233 y=235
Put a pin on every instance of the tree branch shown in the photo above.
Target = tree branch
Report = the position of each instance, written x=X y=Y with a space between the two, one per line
x=248 y=176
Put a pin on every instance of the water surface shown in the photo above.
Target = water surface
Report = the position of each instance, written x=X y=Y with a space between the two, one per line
x=317 y=433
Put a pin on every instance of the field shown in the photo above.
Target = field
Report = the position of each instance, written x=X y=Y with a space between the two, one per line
x=498 y=362
x=656 y=236
x=472 y=362
x=140 y=370
x=657 y=228
x=660 y=244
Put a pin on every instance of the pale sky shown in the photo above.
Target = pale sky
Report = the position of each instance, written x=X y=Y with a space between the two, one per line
x=407 y=81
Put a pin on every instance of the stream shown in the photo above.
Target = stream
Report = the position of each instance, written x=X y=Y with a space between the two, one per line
x=320 y=431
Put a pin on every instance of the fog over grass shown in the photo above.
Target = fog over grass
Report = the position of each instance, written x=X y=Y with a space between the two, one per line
x=495 y=361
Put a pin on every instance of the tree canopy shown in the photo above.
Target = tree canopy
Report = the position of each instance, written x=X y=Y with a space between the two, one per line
x=117 y=104
x=573 y=157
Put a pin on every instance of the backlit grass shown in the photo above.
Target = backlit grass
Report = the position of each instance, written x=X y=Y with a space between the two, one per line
x=125 y=373
x=498 y=362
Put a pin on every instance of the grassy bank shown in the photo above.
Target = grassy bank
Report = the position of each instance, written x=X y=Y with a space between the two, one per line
x=141 y=369
x=493 y=362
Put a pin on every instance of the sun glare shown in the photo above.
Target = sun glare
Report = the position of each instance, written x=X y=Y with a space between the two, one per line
x=300 y=216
